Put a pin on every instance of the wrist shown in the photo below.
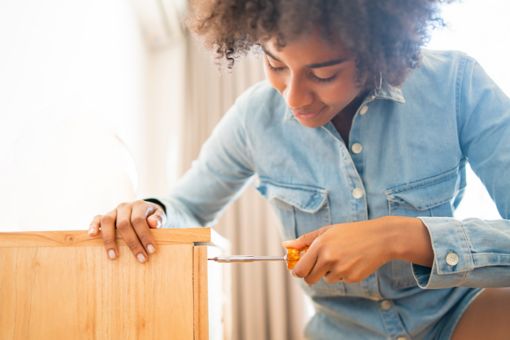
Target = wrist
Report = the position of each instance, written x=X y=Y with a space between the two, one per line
x=393 y=239
x=409 y=240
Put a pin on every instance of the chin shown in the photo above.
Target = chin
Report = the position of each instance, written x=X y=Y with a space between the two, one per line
x=311 y=124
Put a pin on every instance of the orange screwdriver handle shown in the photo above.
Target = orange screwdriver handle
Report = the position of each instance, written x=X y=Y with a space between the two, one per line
x=293 y=255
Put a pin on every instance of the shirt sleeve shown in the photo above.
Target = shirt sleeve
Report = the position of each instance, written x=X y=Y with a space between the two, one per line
x=475 y=252
x=215 y=178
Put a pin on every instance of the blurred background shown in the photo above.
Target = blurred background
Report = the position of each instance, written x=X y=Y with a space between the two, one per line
x=104 y=101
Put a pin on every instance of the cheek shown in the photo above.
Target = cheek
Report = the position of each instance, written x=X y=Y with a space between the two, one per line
x=340 y=94
x=346 y=90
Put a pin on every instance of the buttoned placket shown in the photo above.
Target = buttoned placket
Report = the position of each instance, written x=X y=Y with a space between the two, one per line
x=357 y=150
x=354 y=168
x=354 y=154
x=392 y=321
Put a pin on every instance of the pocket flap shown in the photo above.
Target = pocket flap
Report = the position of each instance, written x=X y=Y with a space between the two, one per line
x=305 y=198
x=425 y=193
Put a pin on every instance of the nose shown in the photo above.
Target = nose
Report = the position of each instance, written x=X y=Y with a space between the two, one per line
x=297 y=94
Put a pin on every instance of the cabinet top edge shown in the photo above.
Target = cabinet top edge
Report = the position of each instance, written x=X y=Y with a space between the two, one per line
x=81 y=238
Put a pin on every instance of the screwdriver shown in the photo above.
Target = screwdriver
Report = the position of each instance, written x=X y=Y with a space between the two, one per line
x=292 y=256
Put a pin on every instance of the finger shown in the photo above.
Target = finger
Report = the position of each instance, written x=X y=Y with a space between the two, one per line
x=305 y=240
x=107 y=223
x=306 y=263
x=128 y=234
x=139 y=216
x=301 y=242
x=94 y=226
x=318 y=270
x=332 y=277
x=157 y=218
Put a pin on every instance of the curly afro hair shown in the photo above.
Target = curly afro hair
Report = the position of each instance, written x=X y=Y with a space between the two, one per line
x=385 y=36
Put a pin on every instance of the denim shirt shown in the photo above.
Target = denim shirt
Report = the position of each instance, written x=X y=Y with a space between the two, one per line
x=408 y=148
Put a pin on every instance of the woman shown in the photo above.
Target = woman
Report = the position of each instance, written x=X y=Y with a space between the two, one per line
x=359 y=139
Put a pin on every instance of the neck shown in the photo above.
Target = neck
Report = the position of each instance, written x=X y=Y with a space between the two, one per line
x=343 y=120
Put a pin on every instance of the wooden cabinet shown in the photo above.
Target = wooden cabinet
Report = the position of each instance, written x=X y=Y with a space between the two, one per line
x=60 y=285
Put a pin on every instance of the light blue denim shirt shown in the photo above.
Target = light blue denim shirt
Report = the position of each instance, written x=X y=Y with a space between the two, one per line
x=407 y=152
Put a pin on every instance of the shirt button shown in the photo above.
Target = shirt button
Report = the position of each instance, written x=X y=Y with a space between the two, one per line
x=452 y=259
x=357 y=193
x=357 y=148
x=385 y=304
x=402 y=338
x=363 y=110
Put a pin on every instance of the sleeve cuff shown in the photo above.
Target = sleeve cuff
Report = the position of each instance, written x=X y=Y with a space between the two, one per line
x=156 y=201
x=453 y=259
x=177 y=216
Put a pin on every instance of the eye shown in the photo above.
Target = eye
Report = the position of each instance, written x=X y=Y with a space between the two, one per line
x=274 y=68
x=323 y=80
x=325 y=75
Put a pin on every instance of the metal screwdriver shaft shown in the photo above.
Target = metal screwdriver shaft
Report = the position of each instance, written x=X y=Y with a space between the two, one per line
x=246 y=258
x=291 y=258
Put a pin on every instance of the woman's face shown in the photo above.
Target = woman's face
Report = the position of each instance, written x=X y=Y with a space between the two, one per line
x=316 y=79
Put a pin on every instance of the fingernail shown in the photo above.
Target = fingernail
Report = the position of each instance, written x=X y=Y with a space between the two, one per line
x=294 y=273
x=92 y=231
x=159 y=224
x=141 y=258
x=151 y=249
x=111 y=254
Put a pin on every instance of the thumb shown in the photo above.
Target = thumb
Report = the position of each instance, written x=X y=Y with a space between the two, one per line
x=156 y=220
x=305 y=240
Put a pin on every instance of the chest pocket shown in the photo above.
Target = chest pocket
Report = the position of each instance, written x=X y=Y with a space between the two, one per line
x=431 y=196
x=301 y=208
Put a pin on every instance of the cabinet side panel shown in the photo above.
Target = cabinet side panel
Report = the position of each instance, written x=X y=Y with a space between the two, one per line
x=201 y=321
x=77 y=293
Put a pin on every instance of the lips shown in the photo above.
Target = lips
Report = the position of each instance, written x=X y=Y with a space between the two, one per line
x=306 y=114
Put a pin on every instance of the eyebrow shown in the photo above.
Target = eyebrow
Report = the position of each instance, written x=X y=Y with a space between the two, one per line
x=315 y=65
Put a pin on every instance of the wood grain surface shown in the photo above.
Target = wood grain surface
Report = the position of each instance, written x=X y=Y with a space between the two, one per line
x=60 y=285
x=200 y=298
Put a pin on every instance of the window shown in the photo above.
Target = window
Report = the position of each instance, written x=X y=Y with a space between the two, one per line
x=479 y=28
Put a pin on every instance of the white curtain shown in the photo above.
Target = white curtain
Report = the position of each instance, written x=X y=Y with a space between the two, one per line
x=266 y=302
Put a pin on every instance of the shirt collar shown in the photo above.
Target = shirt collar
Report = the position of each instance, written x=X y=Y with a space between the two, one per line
x=389 y=92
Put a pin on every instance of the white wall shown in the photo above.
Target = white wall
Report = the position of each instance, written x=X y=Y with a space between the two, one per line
x=481 y=29
x=161 y=24
x=73 y=75
x=164 y=111
x=72 y=57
